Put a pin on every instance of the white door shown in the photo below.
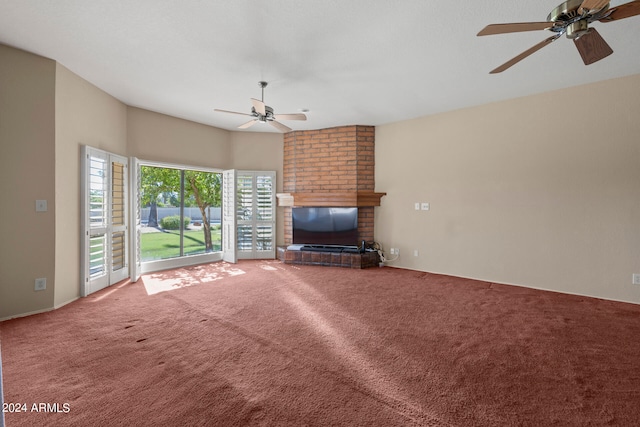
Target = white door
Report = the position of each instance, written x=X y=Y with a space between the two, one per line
x=105 y=220
x=229 y=250
x=136 y=220
x=255 y=214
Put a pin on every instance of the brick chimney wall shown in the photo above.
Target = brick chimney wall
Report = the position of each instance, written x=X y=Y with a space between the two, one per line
x=340 y=159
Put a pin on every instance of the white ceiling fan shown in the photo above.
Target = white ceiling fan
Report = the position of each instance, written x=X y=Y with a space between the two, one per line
x=264 y=114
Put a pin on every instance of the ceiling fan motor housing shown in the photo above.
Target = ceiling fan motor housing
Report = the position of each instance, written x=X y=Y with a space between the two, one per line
x=268 y=116
x=576 y=24
x=577 y=29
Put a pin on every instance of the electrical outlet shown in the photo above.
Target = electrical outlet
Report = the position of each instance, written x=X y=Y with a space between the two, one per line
x=393 y=251
x=41 y=284
x=425 y=206
x=41 y=205
x=636 y=279
x=398 y=251
x=416 y=252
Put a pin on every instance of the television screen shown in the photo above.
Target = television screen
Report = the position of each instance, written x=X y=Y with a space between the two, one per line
x=325 y=226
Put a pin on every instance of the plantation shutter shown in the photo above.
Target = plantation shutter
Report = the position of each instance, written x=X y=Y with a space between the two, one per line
x=104 y=225
x=94 y=201
x=256 y=214
x=244 y=215
x=265 y=224
x=118 y=220
x=229 y=251
x=136 y=220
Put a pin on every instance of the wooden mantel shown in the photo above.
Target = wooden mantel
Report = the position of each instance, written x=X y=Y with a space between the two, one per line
x=330 y=199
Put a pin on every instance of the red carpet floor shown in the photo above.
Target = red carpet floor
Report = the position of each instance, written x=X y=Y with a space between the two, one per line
x=261 y=343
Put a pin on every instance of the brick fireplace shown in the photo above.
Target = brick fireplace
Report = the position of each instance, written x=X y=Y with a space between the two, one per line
x=331 y=167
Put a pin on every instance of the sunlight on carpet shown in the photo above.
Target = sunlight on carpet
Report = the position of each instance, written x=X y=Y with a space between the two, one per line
x=170 y=280
x=340 y=338
x=114 y=289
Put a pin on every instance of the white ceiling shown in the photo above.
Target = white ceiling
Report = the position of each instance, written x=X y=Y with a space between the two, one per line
x=366 y=62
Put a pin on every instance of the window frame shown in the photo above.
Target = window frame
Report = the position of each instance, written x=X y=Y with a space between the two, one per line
x=181 y=261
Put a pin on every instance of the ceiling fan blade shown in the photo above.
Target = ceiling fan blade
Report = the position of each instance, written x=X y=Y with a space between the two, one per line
x=623 y=11
x=524 y=54
x=259 y=106
x=280 y=126
x=232 y=112
x=248 y=124
x=592 y=6
x=298 y=116
x=514 y=28
x=592 y=47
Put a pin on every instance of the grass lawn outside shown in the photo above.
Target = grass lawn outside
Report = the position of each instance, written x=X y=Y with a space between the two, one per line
x=166 y=244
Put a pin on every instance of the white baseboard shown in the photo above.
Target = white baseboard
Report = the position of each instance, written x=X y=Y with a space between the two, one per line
x=44 y=310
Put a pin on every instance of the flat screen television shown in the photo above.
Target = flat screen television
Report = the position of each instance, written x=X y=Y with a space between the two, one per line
x=325 y=226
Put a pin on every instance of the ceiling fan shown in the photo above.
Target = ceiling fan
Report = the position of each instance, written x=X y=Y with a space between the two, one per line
x=571 y=18
x=264 y=114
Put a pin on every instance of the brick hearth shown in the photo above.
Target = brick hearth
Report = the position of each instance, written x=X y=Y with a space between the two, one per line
x=332 y=259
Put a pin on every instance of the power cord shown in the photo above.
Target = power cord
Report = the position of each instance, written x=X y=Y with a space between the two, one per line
x=378 y=248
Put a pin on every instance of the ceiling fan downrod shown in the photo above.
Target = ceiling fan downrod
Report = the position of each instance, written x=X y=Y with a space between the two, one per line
x=262 y=84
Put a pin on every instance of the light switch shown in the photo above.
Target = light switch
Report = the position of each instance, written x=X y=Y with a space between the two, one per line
x=41 y=205
x=417 y=206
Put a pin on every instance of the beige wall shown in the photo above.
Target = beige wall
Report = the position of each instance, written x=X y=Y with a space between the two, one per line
x=258 y=151
x=85 y=115
x=542 y=191
x=261 y=151
x=158 y=137
x=27 y=149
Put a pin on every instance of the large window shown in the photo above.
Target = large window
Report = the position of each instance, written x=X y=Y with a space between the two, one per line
x=177 y=217
x=180 y=212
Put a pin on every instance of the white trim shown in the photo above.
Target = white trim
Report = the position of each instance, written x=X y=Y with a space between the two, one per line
x=135 y=264
x=177 y=166
x=185 y=261
x=146 y=267
x=45 y=310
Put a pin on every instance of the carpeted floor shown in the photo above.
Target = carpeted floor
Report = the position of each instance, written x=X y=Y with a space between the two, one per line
x=261 y=343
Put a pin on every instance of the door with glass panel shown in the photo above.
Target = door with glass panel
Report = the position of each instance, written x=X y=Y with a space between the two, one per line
x=105 y=220
x=255 y=214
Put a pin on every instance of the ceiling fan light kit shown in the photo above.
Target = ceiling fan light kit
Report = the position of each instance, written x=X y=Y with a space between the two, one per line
x=571 y=18
x=262 y=113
